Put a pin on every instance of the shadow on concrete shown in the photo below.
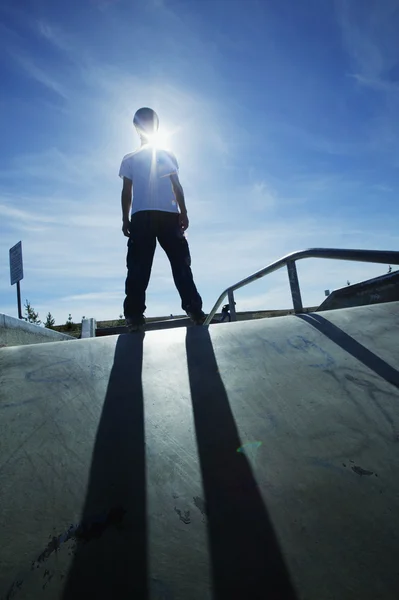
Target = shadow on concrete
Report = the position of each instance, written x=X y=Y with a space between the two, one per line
x=111 y=540
x=246 y=561
x=350 y=345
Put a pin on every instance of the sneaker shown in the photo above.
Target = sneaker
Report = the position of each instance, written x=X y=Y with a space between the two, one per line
x=135 y=323
x=198 y=317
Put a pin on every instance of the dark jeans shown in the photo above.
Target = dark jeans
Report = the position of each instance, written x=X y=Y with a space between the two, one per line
x=146 y=227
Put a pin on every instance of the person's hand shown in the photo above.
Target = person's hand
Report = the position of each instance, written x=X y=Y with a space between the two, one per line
x=183 y=221
x=126 y=228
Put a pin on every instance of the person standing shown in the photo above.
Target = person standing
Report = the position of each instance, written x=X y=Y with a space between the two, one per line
x=226 y=313
x=154 y=209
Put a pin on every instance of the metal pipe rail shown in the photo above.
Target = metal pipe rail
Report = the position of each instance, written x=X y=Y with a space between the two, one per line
x=372 y=256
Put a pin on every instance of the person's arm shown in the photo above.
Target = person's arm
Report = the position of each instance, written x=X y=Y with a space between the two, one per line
x=179 y=195
x=126 y=205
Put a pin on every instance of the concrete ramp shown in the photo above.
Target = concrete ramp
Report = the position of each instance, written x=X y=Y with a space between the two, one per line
x=17 y=332
x=373 y=291
x=255 y=460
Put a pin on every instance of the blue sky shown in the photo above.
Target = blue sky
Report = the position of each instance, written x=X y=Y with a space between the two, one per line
x=285 y=118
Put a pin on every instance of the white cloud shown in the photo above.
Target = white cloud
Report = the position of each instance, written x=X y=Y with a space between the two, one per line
x=94 y=297
x=18 y=214
x=261 y=197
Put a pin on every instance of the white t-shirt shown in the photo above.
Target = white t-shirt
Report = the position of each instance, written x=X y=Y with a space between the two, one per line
x=149 y=169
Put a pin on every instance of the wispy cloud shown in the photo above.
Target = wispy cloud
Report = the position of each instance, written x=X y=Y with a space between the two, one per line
x=19 y=215
x=54 y=165
x=377 y=84
x=40 y=75
x=94 y=297
x=64 y=42
x=261 y=196
x=54 y=35
x=370 y=37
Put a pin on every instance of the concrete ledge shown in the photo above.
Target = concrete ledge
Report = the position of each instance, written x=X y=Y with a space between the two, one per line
x=16 y=332
x=150 y=326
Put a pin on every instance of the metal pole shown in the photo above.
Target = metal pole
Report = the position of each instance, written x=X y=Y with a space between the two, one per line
x=232 y=307
x=294 y=284
x=19 y=300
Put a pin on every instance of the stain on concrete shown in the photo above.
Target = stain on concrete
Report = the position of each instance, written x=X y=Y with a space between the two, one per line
x=85 y=531
x=47 y=575
x=315 y=461
x=361 y=471
x=13 y=589
x=20 y=403
x=183 y=516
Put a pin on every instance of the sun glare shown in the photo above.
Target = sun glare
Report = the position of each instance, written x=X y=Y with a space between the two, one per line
x=159 y=139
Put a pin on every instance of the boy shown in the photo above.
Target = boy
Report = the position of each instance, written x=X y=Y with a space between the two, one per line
x=226 y=313
x=158 y=212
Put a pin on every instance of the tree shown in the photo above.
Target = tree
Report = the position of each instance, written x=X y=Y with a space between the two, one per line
x=31 y=315
x=69 y=322
x=50 y=321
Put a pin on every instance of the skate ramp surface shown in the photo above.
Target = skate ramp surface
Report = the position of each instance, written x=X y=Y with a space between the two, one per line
x=255 y=460
x=17 y=332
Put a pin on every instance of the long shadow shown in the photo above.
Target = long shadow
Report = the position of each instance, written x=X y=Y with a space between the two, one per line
x=111 y=540
x=246 y=559
x=347 y=343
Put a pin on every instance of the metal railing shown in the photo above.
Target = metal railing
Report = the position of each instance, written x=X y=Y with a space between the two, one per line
x=371 y=256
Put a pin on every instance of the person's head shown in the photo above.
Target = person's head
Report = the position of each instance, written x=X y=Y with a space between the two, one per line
x=146 y=122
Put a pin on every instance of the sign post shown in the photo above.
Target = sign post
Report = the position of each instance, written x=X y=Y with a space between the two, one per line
x=17 y=272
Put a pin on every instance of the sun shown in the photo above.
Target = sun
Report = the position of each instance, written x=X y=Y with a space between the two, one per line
x=159 y=139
